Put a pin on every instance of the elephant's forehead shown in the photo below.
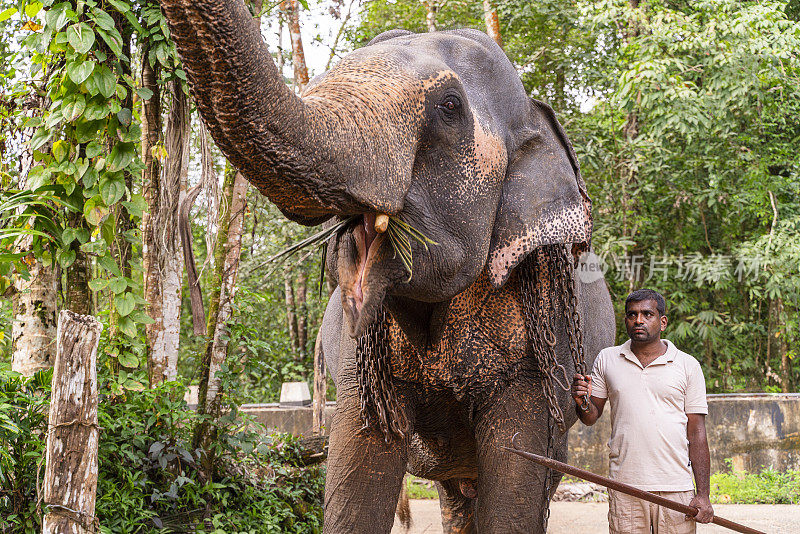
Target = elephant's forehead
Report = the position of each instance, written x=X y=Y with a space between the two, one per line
x=366 y=76
x=394 y=79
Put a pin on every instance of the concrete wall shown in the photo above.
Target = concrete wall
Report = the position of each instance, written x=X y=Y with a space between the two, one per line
x=753 y=430
x=292 y=419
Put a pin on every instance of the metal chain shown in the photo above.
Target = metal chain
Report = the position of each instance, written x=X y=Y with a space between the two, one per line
x=548 y=473
x=375 y=385
x=545 y=277
x=569 y=303
x=546 y=280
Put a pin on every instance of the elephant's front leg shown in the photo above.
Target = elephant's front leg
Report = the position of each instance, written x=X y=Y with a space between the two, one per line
x=364 y=474
x=511 y=489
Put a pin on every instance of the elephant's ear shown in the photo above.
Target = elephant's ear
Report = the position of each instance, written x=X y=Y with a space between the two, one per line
x=543 y=200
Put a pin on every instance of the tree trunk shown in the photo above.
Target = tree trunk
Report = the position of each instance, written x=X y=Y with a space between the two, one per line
x=151 y=178
x=279 y=61
x=222 y=293
x=192 y=276
x=208 y=177
x=302 y=315
x=320 y=387
x=786 y=373
x=121 y=248
x=430 y=14
x=78 y=296
x=173 y=190
x=298 y=56
x=777 y=347
x=33 y=332
x=291 y=314
x=492 y=22
x=34 y=301
x=70 y=477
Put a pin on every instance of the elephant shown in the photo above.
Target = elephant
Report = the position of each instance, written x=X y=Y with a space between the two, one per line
x=437 y=366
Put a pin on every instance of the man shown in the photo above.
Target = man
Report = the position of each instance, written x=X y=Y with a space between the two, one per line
x=658 y=433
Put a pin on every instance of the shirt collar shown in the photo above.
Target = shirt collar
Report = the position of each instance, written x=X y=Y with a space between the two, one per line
x=627 y=353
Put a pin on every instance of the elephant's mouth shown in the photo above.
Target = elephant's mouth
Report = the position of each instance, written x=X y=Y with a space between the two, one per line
x=366 y=235
x=358 y=294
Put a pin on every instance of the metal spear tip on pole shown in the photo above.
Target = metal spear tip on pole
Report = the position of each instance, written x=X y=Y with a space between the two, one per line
x=567 y=469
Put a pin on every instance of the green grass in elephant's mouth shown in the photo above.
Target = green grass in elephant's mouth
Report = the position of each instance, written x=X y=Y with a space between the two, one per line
x=400 y=235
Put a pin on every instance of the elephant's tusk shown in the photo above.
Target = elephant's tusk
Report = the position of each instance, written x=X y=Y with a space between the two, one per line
x=381 y=223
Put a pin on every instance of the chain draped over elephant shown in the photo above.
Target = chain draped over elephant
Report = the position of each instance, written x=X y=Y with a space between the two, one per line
x=444 y=366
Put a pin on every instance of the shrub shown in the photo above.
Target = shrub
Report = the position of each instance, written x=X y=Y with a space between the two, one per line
x=23 y=424
x=767 y=487
x=149 y=479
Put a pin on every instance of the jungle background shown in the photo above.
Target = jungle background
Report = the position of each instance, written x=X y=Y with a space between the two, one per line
x=684 y=116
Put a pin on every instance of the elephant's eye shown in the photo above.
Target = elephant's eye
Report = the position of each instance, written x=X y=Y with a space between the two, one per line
x=450 y=103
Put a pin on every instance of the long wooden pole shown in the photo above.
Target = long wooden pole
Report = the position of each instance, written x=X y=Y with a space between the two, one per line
x=629 y=490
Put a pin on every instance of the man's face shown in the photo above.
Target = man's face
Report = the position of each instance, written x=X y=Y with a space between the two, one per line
x=643 y=322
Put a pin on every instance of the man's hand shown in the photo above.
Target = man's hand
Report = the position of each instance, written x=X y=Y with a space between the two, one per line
x=703 y=504
x=588 y=408
x=581 y=388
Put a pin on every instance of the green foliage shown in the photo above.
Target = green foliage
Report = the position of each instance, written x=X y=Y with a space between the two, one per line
x=149 y=479
x=767 y=487
x=33 y=214
x=261 y=354
x=378 y=17
x=23 y=427
x=84 y=145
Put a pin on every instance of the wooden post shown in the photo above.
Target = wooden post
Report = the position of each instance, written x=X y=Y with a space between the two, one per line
x=320 y=387
x=70 y=477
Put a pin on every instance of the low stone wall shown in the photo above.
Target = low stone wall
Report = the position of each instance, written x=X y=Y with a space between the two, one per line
x=753 y=430
x=295 y=420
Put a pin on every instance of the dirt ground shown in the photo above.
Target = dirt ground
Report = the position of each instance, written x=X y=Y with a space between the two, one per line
x=591 y=518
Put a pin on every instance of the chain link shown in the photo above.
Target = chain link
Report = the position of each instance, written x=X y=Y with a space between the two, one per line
x=376 y=391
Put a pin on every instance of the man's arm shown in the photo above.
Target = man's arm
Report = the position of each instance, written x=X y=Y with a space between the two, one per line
x=701 y=466
x=581 y=387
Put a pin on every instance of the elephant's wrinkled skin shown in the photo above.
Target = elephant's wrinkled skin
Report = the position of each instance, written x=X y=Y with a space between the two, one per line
x=435 y=129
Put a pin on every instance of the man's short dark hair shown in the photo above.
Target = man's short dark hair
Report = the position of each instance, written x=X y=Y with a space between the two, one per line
x=648 y=294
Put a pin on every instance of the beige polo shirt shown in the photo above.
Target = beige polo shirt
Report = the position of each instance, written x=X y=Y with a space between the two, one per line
x=648 y=446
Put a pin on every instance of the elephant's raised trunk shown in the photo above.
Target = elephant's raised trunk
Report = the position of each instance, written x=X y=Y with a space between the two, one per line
x=347 y=147
x=255 y=119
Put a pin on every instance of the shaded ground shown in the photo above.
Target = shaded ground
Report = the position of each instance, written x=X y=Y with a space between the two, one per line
x=591 y=518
